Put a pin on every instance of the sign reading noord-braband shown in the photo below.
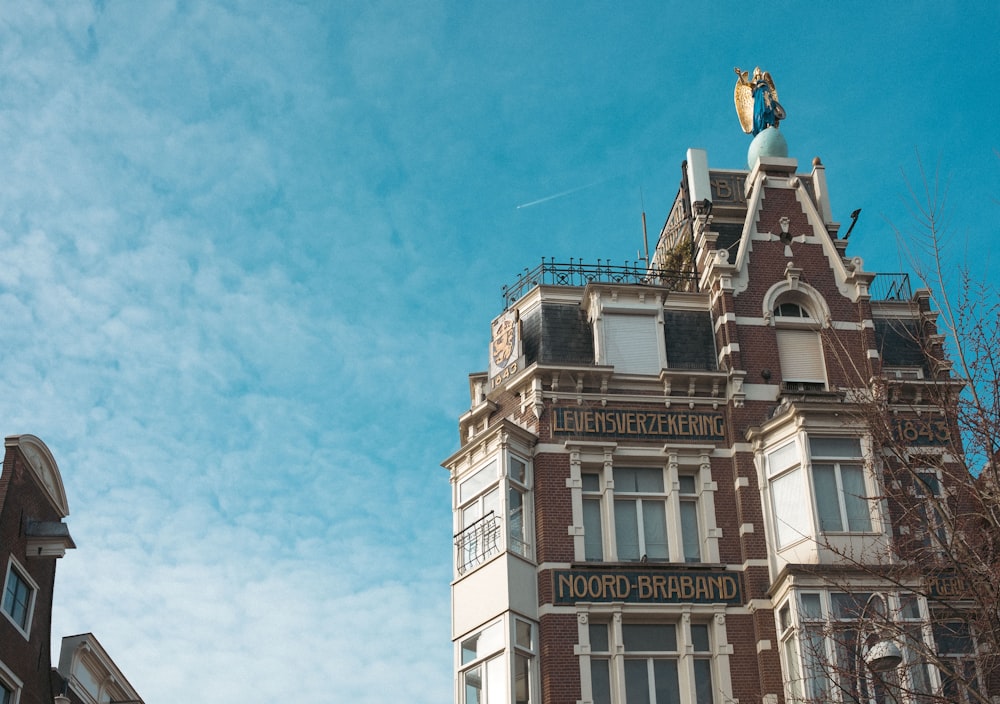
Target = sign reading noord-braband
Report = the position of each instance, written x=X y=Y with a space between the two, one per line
x=647 y=587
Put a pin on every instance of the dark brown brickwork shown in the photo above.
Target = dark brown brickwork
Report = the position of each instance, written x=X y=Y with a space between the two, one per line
x=560 y=666
x=21 y=499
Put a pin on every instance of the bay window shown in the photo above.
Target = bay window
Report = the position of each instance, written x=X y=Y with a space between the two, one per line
x=842 y=497
x=484 y=676
x=493 y=513
x=823 y=639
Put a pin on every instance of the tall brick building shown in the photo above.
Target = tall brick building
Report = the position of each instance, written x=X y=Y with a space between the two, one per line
x=665 y=492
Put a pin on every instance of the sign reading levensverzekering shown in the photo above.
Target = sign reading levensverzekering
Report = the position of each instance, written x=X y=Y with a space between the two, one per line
x=634 y=424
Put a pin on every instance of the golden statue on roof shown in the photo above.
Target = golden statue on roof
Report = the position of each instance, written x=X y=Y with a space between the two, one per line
x=757 y=103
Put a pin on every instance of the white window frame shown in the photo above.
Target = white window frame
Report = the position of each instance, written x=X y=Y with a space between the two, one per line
x=793 y=519
x=511 y=474
x=13 y=684
x=699 y=491
x=491 y=664
x=635 y=354
x=812 y=654
x=518 y=481
x=932 y=525
x=684 y=655
x=843 y=495
x=15 y=567
x=527 y=652
x=500 y=647
x=800 y=346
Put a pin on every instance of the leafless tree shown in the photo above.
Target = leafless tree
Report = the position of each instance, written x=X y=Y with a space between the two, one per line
x=932 y=596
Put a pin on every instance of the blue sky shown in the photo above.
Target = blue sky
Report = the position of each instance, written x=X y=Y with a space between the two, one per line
x=253 y=249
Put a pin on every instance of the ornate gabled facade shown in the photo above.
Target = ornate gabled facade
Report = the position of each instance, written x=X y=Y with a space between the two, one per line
x=667 y=488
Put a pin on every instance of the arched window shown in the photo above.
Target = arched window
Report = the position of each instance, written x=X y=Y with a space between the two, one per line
x=800 y=351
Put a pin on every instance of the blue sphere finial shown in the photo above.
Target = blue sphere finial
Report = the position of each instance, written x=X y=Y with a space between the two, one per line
x=770 y=142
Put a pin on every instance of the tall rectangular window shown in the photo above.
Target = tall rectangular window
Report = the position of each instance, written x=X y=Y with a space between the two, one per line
x=843 y=502
x=788 y=485
x=956 y=660
x=930 y=531
x=690 y=534
x=651 y=656
x=600 y=663
x=592 y=532
x=18 y=596
x=484 y=681
x=479 y=537
x=640 y=514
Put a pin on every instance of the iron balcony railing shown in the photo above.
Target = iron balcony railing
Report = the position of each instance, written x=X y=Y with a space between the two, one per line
x=891 y=287
x=478 y=542
x=481 y=540
x=578 y=273
x=885 y=287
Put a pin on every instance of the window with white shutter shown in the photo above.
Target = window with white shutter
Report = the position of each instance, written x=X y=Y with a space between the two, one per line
x=631 y=343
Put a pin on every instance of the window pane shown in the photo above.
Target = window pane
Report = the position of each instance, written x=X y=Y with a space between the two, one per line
x=699 y=637
x=477 y=482
x=689 y=531
x=815 y=658
x=591 y=482
x=687 y=485
x=654 y=530
x=782 y=458
x=855 y=498
x=952 y=637
x=835 y=447
x=474 y=686
x=850 y=606
x=637 y=682
x=522 y=634
x=491 y=502
x=496 y=681
x=593 y=541
x=811 y=607
x=703 y=681
x=644 y=480
x=827 y=503
x=17 y=597
x=486 y=641
x=667 y=688
x=522 y=679
x=600 y=681
x=599 y=637
x=626 y=530
x=649 y=637
x=792 y=517
x=518 y=470
x=516 y=511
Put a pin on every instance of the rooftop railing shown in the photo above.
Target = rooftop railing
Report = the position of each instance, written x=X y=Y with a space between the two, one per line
x=579 y=273
x=891 y=287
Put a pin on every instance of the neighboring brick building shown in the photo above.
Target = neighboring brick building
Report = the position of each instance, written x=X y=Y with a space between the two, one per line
x=663 y=482
x=32 y=537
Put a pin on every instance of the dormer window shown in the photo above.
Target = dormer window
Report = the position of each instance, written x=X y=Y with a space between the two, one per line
x=800 y=350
